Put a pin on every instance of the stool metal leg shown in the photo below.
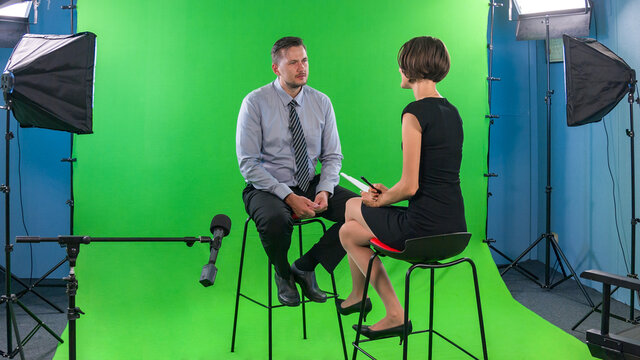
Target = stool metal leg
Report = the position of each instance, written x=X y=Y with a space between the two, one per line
x=304 y=313
x=335 y=291
x=270 y=305
x=431 y=305
x=480 y=320
x=405 y=334
x=367 y=278
x=269 y=308
x=235 y=314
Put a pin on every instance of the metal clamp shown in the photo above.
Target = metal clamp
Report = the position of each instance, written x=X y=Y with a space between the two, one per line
x=74 y=313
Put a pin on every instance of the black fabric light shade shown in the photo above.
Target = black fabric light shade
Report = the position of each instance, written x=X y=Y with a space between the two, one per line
x=49 y=81
x=596 y=80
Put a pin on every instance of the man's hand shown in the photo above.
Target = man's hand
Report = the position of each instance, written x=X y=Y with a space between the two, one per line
x=301 y=206
x=322 y=201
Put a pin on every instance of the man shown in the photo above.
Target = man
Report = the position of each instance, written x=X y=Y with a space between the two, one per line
x=284 y=129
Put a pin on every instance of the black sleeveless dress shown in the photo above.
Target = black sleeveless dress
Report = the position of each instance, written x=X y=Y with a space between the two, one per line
x=437 y=207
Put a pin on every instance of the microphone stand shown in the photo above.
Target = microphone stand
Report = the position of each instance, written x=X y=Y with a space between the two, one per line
x=72 y=244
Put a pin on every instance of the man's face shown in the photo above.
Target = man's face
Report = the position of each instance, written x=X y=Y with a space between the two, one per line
x=293 y=67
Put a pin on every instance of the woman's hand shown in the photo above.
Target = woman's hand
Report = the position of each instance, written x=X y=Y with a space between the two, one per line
x=374 y=198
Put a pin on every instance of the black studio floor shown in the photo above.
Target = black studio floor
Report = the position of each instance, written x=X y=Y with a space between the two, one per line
x=562 y=306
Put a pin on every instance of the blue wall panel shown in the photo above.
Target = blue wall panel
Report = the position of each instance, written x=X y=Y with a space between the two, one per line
x=510 y=212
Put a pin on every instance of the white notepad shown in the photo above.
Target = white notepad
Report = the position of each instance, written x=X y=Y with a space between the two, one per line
x=359 y=184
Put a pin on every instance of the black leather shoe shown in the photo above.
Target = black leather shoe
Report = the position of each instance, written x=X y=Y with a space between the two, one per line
x=354 y=308
x=308 y=284
x=287 y=292
x=384 y=333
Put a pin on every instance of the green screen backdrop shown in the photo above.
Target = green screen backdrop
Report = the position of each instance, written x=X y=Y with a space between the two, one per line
x=169 y=82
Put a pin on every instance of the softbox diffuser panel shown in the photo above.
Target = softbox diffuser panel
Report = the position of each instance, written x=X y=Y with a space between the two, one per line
x=11 y=30
x=53 y=81
x=596 y=80
x=533 y=27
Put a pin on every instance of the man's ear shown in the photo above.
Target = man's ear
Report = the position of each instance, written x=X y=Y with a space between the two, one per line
x=274 y=67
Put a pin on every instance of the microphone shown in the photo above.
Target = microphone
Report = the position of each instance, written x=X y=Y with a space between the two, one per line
x=220 y=227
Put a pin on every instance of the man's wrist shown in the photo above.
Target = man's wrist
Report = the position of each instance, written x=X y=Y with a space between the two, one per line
x=319 y=190
x=282 y=191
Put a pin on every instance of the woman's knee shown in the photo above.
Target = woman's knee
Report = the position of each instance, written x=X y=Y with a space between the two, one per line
x=346 y=233
x=352 y=208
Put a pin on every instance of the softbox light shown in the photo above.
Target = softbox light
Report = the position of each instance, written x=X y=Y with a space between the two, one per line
x=49 y=81
x=14 y=21
x=571 y=17
x=596 y=80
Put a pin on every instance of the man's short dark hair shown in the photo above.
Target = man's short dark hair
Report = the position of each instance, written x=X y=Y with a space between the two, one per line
x=424 y=57
x=283 y=44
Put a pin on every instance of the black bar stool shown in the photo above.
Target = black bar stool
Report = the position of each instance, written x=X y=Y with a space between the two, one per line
x=424 y=253
x=269 y=306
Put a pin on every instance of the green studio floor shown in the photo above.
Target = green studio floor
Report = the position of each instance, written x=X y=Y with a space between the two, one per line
x=162 y=162
x=125 y=321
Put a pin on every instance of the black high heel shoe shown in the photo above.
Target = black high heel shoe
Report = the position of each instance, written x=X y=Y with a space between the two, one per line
x=384 y=333
x=354 y=308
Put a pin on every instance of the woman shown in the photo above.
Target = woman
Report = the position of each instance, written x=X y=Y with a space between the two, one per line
x=432 y=152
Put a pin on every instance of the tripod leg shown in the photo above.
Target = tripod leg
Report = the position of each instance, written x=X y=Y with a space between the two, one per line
x=564 y=258
x=594 y=309
x=15 y=330
x=515 y=262
x=34 y=317
x=522 y=270
x=564 y=273
x=28 y=288
x=518 y=268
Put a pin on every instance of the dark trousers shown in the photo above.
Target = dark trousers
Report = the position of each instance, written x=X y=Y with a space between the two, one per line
x=274 y=223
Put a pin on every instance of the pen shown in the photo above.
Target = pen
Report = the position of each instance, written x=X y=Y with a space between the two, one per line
x=368 y=183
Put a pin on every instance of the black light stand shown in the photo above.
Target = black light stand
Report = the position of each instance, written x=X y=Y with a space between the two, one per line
x=634 y=220
x=27 y=288
x=8 y=298
x=73 y=243
x=70 y=202
x=550 y=241
x=44 y=64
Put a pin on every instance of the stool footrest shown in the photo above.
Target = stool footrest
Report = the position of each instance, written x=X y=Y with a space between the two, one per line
x=413 y=333
x=329 y=296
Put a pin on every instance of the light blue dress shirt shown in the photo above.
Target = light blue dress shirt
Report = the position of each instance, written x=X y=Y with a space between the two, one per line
x=263 y=139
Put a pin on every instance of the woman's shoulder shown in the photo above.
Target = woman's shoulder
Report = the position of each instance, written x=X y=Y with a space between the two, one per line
x=425 y=106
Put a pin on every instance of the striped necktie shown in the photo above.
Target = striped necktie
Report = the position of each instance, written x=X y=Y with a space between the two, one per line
x=299 y=148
